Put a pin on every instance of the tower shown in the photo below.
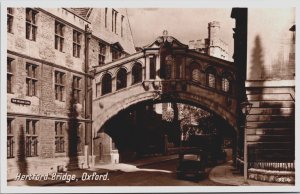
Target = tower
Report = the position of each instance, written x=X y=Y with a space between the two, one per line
x=214 y=38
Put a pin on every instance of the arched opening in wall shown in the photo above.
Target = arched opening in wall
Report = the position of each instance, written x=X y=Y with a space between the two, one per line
x=140 y=131
x=225 y=85
x=227 y=82
x=106 y=84
x=121 y=79
x=211 y=77
x=196 y=75
x=137 y=72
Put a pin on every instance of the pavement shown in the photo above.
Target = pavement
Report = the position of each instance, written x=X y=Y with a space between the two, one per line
x=99 y=169
x=224 y=174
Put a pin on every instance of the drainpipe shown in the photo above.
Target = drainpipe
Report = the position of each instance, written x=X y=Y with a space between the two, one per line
x=87 y=97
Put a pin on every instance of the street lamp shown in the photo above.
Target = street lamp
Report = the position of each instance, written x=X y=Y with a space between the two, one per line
x=246 y=107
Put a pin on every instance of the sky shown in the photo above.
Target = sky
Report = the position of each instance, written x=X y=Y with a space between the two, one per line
x=184 y=24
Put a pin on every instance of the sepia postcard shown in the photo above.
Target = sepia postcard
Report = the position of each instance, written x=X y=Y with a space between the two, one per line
x=148 y=96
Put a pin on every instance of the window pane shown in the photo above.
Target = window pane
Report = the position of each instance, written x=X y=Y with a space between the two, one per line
x=9 y=84
x=196 y=75
x=33 y=17
x=28 y=15
x=28 y=30
x=56 y=42
x=33 y=33
x=27 y=87
x=61 y=44
x=211 y=80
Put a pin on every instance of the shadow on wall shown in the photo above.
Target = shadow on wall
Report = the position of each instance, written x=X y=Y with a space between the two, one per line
x=274 y=147
x=257 y=70
x=73 y=125
x=22 y=160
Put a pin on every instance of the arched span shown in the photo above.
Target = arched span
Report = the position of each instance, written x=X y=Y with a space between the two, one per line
x=201 y=100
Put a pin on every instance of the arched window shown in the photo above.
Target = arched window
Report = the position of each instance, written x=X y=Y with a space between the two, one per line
x=196 y=75
x=225 y=84
x=106 y=84
x=121 y=79
x=137 y=73
x=211 y=78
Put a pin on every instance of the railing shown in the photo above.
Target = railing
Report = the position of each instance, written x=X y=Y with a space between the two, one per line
x=281 y=166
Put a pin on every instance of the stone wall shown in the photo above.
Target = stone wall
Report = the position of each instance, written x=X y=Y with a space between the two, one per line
x=43 y=106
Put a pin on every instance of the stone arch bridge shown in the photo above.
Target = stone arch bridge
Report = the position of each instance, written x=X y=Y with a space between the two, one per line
x=165 y=70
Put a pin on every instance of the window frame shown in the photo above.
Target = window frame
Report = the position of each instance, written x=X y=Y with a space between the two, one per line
x=196 y=72
x=105 y=19
x=10 y=19
x=106 y=85
x=59 y=29
x=10 y=138
x=76 y=83
x=31 y=79
x=76 y=43
x=60 y=137
x=102 y=53
x=152 y=64
x=31 y=24
x=59 y=85
x=121 y=83
x=115 y=54
x=31 y=134
x=211 y=74
x=10 y=75
x=136 y=77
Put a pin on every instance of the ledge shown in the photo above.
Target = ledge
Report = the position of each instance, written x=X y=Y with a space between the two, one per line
x=271 y=83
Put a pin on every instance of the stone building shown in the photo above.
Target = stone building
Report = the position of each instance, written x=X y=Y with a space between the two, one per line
x=50 y=53
x=264 y=53
x=213 y=45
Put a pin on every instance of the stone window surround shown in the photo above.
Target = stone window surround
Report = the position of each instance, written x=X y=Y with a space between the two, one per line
x=102 y=53
x=60 y=136
x=77 y=36
x=105 y=19
x=10 y=20
x=77 y=88
x=114 y=21
x=59 y=85
x=59 y=29
x=152 y=63
x=10 y=74
x=121 y=78
x=226 y=85
x=136 y=73
x=106 y=84
x=10 y=138
x=31 y=24
x=31 y=137
x=32 y=77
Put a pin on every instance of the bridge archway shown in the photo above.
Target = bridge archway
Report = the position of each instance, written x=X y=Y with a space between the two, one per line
x=181 y=75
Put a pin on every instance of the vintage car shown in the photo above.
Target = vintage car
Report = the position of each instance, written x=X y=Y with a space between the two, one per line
x=191 y=164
